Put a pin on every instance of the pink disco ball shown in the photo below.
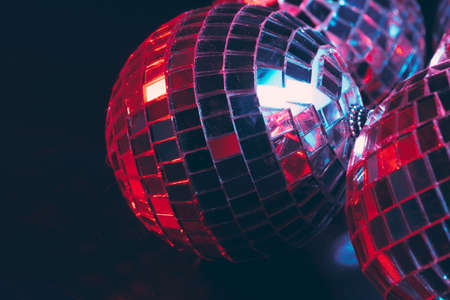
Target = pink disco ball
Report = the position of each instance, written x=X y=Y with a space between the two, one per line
x=228 y=131
x=382 y=41
x=398 y=189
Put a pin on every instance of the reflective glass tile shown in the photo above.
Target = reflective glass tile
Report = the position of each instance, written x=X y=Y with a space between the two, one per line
x=244 y=104
x=439 y=240
x=219 y=30
x=314 y=139
x=166 y=151
x=238 y=186
x=217 y=216
x=208 y=63
x=417 y=91
x=295 y=166
x=307 y=187
x=277 y=202
x=444 y=97
x=198 y=160
x=432 y=205
x=438 y=82
x=245 y=203
x=186 y=119
x=312 y=203
x=205 y=84
x=239 y=81
x=211 y=45
x=243 y=30
x=179 y=192
x=396 y=224
x=161 y=130
x=268 y=57
x=191 y=140
x=304 y=17
x=434 y=280
x=256 y=146
x=332 y=88
x=238 y=62
x=367 y=29
x=278 y=121
x=338 y=28
x=180 y=79
x=440 y=163
x=253 y=219
x=444 y=127
x=213 y=104
x=177 y=100
x=181 y=44
x=299 y=53
x=426 y=108
x=205 y=181
x=212 y=199
x=284 y=217
x=400 y=184
x=286 y=144
x=185 y=211
x=157 y=109
x=240 y=44
x=306 y=41
x=414 y=214
x=250 y=125
x=146 y=165
x=387 y=160
x=174 y=171
x=271 y=185
x=407 y=149
x=224 y=146
x=317 y=36
x=419 y=175
x=218 y=125
x=318 y=10
x=272 y=41
x=334 y=171
x=332 y=112
x=226 y=230
x=249 y=19
x=258 y=10
x=383 y=194
x=406 y=118
x=403 y=258
x=153 y=186
x=181 y=59
x=427 y=137
x=277 y=28
x=298 y=71
x=420 y=249
x=264 y=166
x=307 y=118
x=269 y=76
x=321 y=160
x=137 y=121
x=231 y=167
x=140 y=143
x=378 y=231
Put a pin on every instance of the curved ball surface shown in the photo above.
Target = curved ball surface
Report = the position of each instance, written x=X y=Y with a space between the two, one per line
x=398 y=189
x=382 y=41
x=227 y=131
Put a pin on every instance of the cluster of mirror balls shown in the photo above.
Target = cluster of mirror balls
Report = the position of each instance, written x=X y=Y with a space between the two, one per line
x=232 y=131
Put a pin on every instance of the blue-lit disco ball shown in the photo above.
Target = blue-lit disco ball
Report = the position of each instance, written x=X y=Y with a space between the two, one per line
x=228 y=131
x=382 y=41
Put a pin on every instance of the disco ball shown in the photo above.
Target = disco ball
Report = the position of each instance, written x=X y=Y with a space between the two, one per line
x=227 y=131
x=382 y=41
x=398 y=190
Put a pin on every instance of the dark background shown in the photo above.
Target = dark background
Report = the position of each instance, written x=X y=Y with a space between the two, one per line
x=66 y=231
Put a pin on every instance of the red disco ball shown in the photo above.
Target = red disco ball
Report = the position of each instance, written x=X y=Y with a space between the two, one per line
x=398 y=189
x=382 y=41
x=228 y=131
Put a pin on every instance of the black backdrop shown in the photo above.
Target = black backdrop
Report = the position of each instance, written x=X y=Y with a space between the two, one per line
x=66 y=231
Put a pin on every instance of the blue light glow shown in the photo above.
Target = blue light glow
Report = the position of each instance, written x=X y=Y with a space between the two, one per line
x=344 y=253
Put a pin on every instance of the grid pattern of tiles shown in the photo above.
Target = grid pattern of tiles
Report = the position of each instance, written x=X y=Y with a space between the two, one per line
x=212 y=161
x=398 y=189
x=381 y=40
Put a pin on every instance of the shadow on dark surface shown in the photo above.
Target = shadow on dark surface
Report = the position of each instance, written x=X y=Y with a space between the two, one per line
x=69 y=233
